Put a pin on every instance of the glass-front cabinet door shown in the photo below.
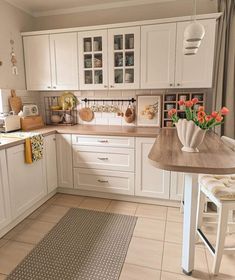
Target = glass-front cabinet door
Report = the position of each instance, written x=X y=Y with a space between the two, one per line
x=93 y=66
x=124 y=58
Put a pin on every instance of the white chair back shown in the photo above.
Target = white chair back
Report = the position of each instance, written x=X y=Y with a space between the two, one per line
x=229 y=142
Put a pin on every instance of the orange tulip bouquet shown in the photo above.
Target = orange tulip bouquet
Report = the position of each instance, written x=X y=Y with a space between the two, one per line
x=191 y=131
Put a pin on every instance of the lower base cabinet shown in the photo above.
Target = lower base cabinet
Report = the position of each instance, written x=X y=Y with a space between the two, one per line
x=149 y=180
x=115 y=182
x=27 y=182
x=5 y=211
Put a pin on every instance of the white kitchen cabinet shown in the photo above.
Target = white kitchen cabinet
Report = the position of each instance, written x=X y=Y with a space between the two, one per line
x=177 y=185
x=158 y=55
x=150 y=181
x=51 y=162
x=64 y=160
x=5 y=212
x=51 y=61
x=37 y=62
x=64 y=61
x=28 y=184
x=124 y=58
x=93 y=64
x=195 y=71
x=106 y=181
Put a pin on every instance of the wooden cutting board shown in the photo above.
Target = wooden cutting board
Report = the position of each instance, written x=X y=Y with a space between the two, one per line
x=15 y=102
x=86 y=114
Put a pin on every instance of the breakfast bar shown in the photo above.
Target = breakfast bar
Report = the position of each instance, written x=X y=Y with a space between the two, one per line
x=213 y=158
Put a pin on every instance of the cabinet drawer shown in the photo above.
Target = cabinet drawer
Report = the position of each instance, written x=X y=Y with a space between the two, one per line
x=101 y=158
x=104 y=141
x=104 y=181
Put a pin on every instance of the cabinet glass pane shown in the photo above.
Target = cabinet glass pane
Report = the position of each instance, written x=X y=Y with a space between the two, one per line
x=118 y=59
x=129 y=41
x=129 y=76
x=118 y=42
x=98 y=77
x=97 y=44
x=87 y=44
x=98 y=60
x=88 y=77
x=129 y=58
x=118 y=74
x=88 y=61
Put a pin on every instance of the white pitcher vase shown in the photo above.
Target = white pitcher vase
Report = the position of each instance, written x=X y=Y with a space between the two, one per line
x=190 y=135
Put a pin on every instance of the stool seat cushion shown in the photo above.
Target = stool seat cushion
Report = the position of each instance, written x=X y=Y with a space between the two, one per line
x=221 y=186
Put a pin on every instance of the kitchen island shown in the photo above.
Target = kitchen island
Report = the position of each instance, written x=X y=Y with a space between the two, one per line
x=213 y=158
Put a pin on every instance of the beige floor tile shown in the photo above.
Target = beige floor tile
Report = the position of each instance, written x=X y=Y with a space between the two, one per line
x=174 y=232
x=16 y=229
x=122 y=207
x=175 y=276
x=71 y=201
x=38 y=211
x=11 y=254
x=227 y=268
x=145 y=252
x=151 y=211
x=172 y=260
x=98 y=204
x=150 y=228
x=33 y=232
x=52 y=214
x=2 y=276
x=174 y=215
x=134 y=272
x=2 y=242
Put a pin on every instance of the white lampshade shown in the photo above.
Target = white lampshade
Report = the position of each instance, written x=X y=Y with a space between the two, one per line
x=195 y=31
x=191 y=45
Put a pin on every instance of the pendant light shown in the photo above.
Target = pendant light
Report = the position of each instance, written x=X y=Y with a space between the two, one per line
x=193 y=34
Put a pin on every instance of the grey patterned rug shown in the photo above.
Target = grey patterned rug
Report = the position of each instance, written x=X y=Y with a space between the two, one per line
x=84 y=245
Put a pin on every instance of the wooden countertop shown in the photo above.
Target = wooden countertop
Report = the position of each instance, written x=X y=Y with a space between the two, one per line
x=213 y=157
x=128 y=131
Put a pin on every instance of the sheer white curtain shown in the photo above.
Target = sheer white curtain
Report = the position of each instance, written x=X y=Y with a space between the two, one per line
x=224 y=86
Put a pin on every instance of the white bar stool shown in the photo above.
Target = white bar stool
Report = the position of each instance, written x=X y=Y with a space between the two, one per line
x=220 y=189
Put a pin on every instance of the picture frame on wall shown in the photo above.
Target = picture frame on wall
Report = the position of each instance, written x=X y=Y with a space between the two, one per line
x=149 y=110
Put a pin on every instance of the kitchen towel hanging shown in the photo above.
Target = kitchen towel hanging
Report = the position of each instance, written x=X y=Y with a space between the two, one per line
x=33 y=148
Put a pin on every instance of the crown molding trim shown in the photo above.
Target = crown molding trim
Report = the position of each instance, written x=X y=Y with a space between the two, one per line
x=87 y=8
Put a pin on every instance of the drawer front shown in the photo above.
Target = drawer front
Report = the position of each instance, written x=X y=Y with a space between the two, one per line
x=103 y=158
x=104 y=141
x=104 y=181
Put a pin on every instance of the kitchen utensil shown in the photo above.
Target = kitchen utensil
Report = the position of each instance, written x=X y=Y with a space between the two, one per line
x=129 y=115
x=67 y=101
x=86 y=114
x=15 y=102
x=32 y=122
x=55 y=119
x=30 y=110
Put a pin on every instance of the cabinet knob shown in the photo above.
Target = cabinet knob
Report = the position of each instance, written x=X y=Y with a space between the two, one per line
x=112 y=86
x=48 y=87
x=54 y=86
x=105 y=86
x=54 y=139
x=103 y=141
x=171 y=85
x=103 y=181
x=178 y=84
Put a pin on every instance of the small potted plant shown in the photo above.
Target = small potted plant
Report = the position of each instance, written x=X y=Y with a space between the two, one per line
x=191 y=131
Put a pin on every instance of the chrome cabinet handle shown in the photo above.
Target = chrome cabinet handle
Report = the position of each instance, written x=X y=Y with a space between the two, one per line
x=103 y=181
x=103 y=141
x=104 y=158
x=48 y=87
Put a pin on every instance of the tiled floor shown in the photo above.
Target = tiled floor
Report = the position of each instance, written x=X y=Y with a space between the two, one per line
x=154 y=252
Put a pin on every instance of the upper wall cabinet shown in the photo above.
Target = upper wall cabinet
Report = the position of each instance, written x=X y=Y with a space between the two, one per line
x=158 y=55
x=124 y=58
x=51 y=62
x=93 y=66
x=193 y=71
x=163 y=64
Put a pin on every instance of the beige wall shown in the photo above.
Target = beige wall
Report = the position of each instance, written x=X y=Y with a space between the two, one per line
x=12 y=22
x=143 y=12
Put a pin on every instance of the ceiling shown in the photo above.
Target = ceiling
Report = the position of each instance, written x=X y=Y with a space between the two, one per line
x=56 y=7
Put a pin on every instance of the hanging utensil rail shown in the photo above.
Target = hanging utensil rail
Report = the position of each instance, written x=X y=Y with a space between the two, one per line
x=131 y=100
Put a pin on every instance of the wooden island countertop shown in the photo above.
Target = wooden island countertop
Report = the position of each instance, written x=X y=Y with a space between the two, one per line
x=213 y=157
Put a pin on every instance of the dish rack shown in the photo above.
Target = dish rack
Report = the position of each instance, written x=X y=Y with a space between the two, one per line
x=63 y=117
